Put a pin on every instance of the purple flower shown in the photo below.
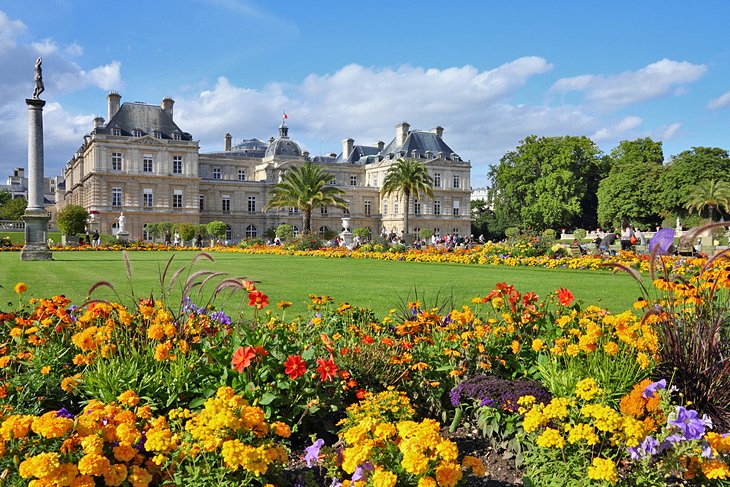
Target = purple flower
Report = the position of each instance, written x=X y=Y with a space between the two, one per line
x=312 y=455
x=336 y=483
x=706 y=450
x=360 y=471
x=651 y=389
x=650 y=445
x=692 y=428
x=63 y=413
x=635 y=452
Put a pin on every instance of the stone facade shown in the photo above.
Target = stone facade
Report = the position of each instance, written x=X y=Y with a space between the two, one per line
x=141 y=163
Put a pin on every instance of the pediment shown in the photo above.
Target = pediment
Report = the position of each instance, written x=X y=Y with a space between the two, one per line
x=146 y=140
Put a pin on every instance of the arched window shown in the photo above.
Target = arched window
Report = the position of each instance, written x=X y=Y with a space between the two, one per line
x=296 y=230
x=145 y=234
x=115 y=228
x=251 y=231
x=323 y=230
x=229 y=232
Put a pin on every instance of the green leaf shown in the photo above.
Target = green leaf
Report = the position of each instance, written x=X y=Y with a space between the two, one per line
x=267 y=399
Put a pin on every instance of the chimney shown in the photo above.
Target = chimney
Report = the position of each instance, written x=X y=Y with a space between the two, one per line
x=227 y=142
x=381 y=146
x=439 y=131
x=306 y=155
x=98 y=122
x=114 y=99
x=401 y=132
x=347 y=148
x=167 y=104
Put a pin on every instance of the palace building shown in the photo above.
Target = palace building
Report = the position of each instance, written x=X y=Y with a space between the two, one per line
x=141 y=163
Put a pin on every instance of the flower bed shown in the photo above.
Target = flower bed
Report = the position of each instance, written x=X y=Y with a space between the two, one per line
x=163 y=393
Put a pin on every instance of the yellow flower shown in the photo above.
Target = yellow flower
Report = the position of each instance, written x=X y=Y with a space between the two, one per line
x=384 y=478
x=475 y=465
x=603 y=469
x=587 y=389
x=20 y=288
x=46 y=369
x=550 y=438
x=448 y=474
x=537 y=344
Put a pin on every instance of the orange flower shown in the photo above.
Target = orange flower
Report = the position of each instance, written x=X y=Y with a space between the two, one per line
x=327 y=369
x=242 y=358
x=258 y=299
x=20 y=288
x=565 y=297
x=295 y=367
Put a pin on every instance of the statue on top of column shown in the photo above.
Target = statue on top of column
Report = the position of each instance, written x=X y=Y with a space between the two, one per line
x=39 y=88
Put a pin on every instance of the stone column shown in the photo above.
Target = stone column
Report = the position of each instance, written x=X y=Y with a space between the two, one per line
x=35 y=217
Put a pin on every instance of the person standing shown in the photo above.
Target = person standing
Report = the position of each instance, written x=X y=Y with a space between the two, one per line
x=167 y=238
x=176 y=239
x=95 y=239
x=626 y=233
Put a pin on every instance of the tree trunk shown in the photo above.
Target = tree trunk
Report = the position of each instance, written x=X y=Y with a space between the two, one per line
x=307 y=221
x=712 y=210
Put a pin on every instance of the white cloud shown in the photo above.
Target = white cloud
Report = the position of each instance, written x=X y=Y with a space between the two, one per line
x=719 y=102
x=612 y=133
x=106 y=77
x=670 y=131
x=9 y=31
x=630 y=87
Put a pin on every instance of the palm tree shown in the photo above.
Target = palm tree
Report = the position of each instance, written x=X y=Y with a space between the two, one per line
x=709 y=194
x=305 y=187
x=407 y=177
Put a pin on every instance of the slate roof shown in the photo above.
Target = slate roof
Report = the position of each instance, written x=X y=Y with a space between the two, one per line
x=359 y=154
x=421 y=142
x=147 y=118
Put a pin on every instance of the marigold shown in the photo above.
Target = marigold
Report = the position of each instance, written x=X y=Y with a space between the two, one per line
x=448 y=474
x=20 y=288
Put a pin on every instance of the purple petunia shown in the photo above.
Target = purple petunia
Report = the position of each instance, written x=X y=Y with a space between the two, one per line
x=652 y=388
x=64 y=413
x=312 y=455
x=360 y=471
x=648 y=447
x=692 y=427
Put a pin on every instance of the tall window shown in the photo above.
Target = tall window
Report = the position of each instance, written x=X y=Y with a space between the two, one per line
x=437 y=180
x=457 y=204
x=323 y=210
x=251 y=204
x=216 y=173
x=296 y=230
x=116 y=161
x=353 y=180
x=416 y=207
x=147 y=198
x=116 y=196
x=241 y=174
x=375 y=179
x=226 y=203
x=177 y=164
x=323 y=230
x=368 y=207
x=346 y=211
x=436 y=207
x=457 y=181
x=229 y=232
x=147 y=163
x=385 y=207
x=395 y=207
x=201 y=202
x=293 y=210
x=250 y=231
x=177 y=195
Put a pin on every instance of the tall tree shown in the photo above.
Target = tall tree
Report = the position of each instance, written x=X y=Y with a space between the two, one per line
x=13 y=209
x=688 y=169
x=306 y=187
x=709 y=194
x=549 y=182
x=407 y=177
x=629 y=190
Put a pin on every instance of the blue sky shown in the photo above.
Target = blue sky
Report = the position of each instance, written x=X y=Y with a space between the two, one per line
x=490 y=73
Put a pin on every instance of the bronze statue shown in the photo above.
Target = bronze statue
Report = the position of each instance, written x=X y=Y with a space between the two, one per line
x=39 y=88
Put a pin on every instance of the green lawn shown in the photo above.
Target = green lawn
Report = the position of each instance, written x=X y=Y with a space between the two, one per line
x=379 y=285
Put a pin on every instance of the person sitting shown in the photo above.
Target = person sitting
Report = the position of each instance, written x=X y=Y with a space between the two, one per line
x=606 y=242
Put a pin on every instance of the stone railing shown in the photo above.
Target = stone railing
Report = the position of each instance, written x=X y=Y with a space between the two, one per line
x=19 y=226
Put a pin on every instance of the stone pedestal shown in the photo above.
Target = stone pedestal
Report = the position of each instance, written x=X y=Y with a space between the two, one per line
x=36 y=236
x=346 y=234
x=35 y=217
x=123 y=237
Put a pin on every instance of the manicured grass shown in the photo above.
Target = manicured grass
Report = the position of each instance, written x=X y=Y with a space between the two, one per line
x=379 y=285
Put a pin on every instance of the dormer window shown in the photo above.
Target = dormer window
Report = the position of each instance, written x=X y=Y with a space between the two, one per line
x=116 y=131
x=158 y=134
x=136 y=133
x=177 y=136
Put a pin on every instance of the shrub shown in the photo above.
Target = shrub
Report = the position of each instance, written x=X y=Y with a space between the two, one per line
x=72 y=219
x=511 y=232
x=361 y=232
x=217 y=229
x=580 y=233
x=186 y=231
x=425 y=233
x=285 y=231
x=308 y=241
x=549 y=235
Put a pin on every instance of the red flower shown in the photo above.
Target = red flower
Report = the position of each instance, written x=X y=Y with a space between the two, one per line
x=295 y=367
x=367 y=340
x=565 y=297
x=260 y=351
x=327 y=369
x=243 y=357
x=360 y=394
x=258 y=299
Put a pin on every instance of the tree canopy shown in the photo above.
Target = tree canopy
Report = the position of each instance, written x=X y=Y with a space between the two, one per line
x=630 y=189
x=407 y=177
x=687 y=169
x=306 y=187
x=549 y=182
x=710 y=194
